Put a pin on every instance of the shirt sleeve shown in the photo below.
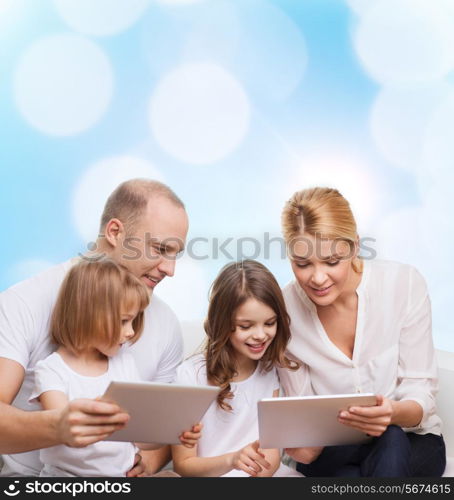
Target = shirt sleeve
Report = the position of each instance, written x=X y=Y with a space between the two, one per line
x=47 y=378
x=186 y=373
x=172 y=356
x=417 y=378
x=16 y=327
x=295 y=382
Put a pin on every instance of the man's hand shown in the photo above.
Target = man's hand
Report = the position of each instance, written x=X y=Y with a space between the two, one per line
x=190 y=438
x=85 y=421
x=372 y=420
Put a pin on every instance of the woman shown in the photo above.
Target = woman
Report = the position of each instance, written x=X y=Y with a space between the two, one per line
x=360 y=326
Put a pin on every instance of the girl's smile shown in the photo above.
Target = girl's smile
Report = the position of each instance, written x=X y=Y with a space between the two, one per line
x=254 y=329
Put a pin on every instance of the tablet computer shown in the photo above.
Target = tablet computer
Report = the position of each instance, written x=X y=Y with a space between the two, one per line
x=295 y=422
x=159 y=412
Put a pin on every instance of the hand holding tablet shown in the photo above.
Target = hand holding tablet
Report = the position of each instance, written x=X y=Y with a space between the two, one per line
x=159 y=412
x=295 y=422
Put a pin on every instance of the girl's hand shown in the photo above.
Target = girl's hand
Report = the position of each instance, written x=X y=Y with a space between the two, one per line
x=250 y=459
x=372 y=420
x=190 y=438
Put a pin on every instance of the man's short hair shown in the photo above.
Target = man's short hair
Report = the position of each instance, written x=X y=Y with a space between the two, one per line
x=129 y=200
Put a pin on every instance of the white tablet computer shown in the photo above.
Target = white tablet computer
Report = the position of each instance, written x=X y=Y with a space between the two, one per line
x=309 y=421
x=159 y=412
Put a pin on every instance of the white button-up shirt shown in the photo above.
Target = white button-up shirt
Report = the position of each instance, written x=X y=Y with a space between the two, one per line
x=393 y=352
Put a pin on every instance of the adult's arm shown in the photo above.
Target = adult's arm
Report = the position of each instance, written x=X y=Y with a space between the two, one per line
x=417 y=379
x=79 y=423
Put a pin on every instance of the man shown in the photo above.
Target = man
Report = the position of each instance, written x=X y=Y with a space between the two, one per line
x=143 y=227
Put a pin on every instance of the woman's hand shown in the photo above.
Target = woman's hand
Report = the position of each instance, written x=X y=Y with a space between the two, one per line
x=250 y=459
x=190 y=438
x=372 y=420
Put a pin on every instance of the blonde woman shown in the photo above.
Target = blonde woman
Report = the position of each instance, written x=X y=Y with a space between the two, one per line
x=360 y=326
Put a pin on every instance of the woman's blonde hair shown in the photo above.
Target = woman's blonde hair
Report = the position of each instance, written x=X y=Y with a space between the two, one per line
x=89 y=303
x=236 y=283
x=321 y=212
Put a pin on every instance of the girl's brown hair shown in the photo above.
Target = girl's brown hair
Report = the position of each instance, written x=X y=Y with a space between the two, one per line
x=88 y=307
x=322 y=212
x=236 y=283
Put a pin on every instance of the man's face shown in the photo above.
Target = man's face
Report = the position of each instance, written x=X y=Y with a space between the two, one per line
x=150 y=250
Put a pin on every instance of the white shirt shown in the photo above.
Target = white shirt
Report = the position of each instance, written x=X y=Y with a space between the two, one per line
x=223 y=431
x=393 y=352
x=105 y=458
x=25 y=311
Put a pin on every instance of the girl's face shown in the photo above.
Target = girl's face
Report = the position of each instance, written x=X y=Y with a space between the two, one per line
x=255 y=327
x=322 y=267
x=127 y=331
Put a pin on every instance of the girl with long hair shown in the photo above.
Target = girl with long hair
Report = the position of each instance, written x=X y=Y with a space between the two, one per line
x=247 y=330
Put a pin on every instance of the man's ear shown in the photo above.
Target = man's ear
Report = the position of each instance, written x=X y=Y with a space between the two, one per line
x=114 y=232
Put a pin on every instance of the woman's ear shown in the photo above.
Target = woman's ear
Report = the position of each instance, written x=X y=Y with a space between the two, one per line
x=114 y=232
x=356 y=251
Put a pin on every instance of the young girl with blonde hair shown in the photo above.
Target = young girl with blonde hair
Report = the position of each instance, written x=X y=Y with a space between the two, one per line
x=360 y=325
x=98 y=311
x=247 y=333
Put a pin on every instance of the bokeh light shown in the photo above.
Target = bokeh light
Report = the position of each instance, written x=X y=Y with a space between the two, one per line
x=399 y=120
x=406 y=42
x=63 y=84
x=199 y=113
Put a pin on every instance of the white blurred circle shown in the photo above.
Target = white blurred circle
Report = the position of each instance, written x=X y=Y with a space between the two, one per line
x=101 y=17
x=406 y=42
x=271 y=56
x=25 y=269
x=438 y=148
x=349 y=176
x=63 y=84
x=97 y=183
x=399 y=120
x=187 y=291
x=199 y=113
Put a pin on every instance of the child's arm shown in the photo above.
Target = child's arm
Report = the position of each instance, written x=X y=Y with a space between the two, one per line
x=53 y=400
x=187 y=438
x=249 y=459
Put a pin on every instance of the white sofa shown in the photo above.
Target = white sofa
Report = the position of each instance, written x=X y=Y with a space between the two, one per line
x=194 y=335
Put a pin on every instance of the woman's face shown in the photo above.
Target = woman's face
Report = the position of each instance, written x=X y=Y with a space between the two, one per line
x=255 y=328
x=322 y=267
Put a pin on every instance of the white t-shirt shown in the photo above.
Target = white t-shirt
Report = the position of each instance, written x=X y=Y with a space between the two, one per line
x=105 y=458
x=223 y=431
x=393 y=352
x=25 y=311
